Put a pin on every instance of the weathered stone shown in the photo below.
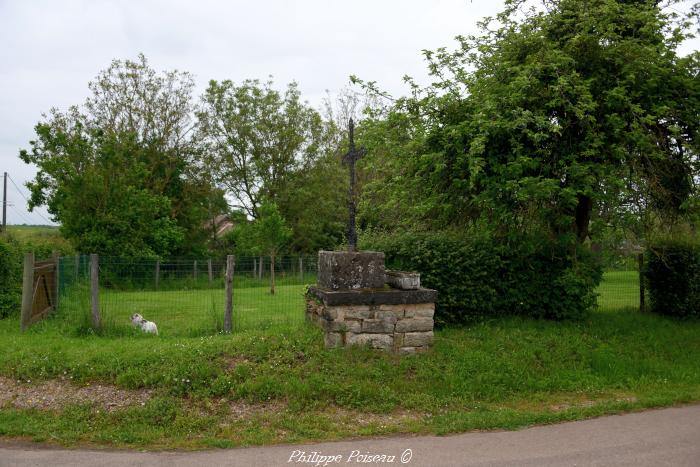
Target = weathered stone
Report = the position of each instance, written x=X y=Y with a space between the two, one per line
x=403 y=280
x=406 y=350
x=342 y=326
x=378 y=325
x=333 y=339
x=373 y=297
x=414 y=324
x=418 y=339
x=357 y=311
x=376 y=341
x=334 y=312
x=396 y=308
x=419 y=310
x=381 y=314
x=342 y=270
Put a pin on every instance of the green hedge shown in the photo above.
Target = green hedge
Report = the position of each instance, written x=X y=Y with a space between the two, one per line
x=672 y=276
x=10 y=277
x=477 y=277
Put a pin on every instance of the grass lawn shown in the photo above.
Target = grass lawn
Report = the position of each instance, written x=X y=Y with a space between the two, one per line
x=190 y=311
x=280 y=385
x=619 y=289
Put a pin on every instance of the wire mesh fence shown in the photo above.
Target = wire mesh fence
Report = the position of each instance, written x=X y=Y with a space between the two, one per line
x=619 y=290
x=186 y=297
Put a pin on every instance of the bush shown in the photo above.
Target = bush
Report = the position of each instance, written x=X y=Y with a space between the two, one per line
x=10 y=277
x=478 y=277
x=672 y=276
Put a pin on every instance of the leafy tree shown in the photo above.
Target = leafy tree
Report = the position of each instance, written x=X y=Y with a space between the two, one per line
x=267 y=234
x=255 y=138
x=554 y=113
x=119 y=172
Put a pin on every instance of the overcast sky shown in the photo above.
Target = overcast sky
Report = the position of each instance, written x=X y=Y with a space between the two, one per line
x=50 y=49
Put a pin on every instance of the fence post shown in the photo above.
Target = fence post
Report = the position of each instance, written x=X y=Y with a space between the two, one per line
x=194 y=270
x=301 y=268
x=77 y=266
x=157 y=272
x=27 y=291
x=209 y=271
x=228 y=311
x=57 y=261
x=261 y=263
x=255 y=268
x=640 y=259
x=95 y=290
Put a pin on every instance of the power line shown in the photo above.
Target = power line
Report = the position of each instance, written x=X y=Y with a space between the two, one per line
x=19 y=213
x=27 y=200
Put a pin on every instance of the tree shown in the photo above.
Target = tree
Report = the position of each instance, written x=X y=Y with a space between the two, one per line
x=255 y=138
x=119 y=172
x=267 y=234
x=553 y=113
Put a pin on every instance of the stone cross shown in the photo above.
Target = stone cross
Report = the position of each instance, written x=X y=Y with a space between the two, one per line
x=350 y=158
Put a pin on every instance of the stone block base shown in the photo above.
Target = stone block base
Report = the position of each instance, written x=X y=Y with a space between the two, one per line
x=402 y=328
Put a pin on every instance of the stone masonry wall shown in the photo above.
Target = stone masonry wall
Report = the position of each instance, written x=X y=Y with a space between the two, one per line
x=403 y=328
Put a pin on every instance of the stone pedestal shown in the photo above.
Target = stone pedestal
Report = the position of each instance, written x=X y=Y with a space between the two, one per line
x=389 y=319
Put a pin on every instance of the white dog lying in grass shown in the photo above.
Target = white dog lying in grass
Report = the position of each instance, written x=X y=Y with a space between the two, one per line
x=145 y=325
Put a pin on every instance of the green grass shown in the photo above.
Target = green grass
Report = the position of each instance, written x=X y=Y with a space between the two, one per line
x=30 y=232
x=42 y=239
x=200 y=312
x=500 y=374
x=187 y=312
x=618 y=290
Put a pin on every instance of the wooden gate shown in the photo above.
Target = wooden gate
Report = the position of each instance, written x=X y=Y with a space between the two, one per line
x=39 y=289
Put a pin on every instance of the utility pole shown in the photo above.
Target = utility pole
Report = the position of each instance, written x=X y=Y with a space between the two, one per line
x=4 y=203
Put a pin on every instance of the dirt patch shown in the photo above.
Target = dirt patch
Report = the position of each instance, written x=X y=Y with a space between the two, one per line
x=589 y=403
x=56 y=394
x=230 y=363
x=365 y=419
x=240 y=409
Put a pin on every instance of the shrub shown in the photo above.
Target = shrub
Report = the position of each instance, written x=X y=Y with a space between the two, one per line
x=478 y=277
x=10 y=277
x=672 y=276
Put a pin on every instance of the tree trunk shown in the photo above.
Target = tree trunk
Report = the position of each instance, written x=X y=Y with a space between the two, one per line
x=272 y=274
x=584 y=208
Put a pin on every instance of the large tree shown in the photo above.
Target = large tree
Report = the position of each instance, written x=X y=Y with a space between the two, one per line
x=255 y=138
x=558 y=109
x=118 y=172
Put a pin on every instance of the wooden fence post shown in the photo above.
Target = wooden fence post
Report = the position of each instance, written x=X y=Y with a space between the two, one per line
x=210 y=271
x=301 y=268
x=95 y=290
x=27 y=291
x=261 y=263
x=157 y=273
x=77 y=266
x=228 y=311
x=194 y=270
x=55 y=256
x=642 y=304
x=255 y=268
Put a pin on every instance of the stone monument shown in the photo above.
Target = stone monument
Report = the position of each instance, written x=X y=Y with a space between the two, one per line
x=358 y=302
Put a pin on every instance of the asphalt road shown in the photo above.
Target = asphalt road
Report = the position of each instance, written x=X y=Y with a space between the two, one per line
x=666 y=437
